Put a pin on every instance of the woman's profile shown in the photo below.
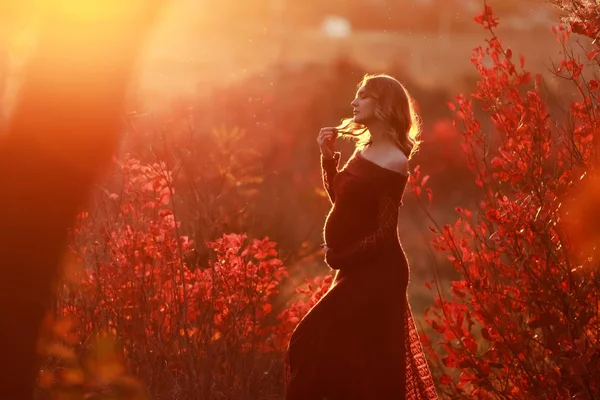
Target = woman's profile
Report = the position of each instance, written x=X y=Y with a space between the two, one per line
x=359 y=341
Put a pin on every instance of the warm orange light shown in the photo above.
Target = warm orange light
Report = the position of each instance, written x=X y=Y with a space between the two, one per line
x=580 y=213
x=105 y=10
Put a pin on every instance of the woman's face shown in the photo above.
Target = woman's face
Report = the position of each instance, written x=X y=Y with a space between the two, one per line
x=364 y=106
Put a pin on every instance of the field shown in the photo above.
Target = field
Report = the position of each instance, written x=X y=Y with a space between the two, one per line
x=185 y=67
x=173 y=221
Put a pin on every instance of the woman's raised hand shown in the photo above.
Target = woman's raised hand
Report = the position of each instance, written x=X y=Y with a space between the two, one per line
x=326 y=140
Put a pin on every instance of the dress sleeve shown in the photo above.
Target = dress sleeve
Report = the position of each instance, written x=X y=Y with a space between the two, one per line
x=329 y=169
x=363 y=250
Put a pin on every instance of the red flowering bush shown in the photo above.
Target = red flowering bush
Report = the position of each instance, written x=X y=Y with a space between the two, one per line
x=582 y=16
x=524 y=320
x=205 y=332
x=146 y=296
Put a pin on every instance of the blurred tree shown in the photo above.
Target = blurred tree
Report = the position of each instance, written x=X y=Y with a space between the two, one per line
x=62 y=133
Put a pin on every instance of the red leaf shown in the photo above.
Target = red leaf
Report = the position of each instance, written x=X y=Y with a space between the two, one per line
x=445 y=380
x=593 y=54
x=478 y=181
x=465 y=378
x=524 y=79
x=437 y=327
x=429 y=194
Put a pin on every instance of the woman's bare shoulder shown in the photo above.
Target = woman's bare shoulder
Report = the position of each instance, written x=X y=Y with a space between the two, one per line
x=396 y=161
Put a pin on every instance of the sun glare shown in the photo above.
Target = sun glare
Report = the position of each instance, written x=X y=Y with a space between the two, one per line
x=106 y=10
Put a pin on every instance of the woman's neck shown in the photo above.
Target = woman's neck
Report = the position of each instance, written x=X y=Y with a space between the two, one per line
x=379 y=138
x=376 y=129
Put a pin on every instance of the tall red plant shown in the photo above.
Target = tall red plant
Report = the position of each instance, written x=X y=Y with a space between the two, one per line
x=524 y=320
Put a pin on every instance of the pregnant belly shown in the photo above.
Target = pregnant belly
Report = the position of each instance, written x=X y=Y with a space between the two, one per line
x=345 y=226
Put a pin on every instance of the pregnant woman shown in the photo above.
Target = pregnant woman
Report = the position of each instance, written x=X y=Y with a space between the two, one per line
x=359 y=341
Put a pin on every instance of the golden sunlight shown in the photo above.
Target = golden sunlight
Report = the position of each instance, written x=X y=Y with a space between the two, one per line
x=107 y=10
x=183 y=217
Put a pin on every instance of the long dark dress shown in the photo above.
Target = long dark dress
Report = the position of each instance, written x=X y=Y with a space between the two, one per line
x=359 y=341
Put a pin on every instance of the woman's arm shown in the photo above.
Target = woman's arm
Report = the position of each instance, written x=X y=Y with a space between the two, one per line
x=361 y=251
x=329 y=169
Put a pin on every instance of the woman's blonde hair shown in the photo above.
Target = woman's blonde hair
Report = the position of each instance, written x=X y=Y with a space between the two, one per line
x=394 y=106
